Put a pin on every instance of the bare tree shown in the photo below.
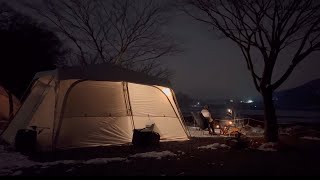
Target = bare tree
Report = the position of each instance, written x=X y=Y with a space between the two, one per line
x=126 y=32
x=265 y=28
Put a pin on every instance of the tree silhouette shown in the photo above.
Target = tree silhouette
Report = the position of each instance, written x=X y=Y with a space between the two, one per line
x=264 y=28
x=127 y=33
x=26 y=47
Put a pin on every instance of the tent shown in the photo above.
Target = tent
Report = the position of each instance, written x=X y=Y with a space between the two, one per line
x=5 y=107
x=96 y=105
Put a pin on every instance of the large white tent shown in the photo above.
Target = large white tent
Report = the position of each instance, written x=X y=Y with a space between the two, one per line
x=96 y=105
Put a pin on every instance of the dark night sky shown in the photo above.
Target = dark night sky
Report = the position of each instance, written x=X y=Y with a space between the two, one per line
x=212 y=67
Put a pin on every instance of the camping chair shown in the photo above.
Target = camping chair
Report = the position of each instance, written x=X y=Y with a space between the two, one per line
x=200 y=121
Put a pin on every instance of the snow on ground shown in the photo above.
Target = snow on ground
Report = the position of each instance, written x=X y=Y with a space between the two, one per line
x=13 y=160
x=11 y=163
x=248 y=131
x=214 y=146
x=181 y=152
x=104 y=160
x=153 y=154
x=267 y=147
x=310 y=138
x=252 y=131
x=195 y=132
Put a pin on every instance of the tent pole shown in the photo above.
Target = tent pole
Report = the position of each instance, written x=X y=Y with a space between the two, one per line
x=130 y=107
x=56 y=136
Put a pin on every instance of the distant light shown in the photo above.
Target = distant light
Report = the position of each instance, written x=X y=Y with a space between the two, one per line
x=217 y=126
x=250 y=101
x=241 y=101
x=255 y=106
x=231 y=100
x=198 y=103
x=230 y=122
x=167 y=91
x=229 y=110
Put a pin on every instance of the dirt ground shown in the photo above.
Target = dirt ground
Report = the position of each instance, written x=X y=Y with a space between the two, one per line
x=296 y=157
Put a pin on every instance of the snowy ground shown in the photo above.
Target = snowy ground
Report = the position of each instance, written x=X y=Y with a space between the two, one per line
x=214 y=146
x=11 y=163
x=311 y=138
x=202 y=155
x=248 y=131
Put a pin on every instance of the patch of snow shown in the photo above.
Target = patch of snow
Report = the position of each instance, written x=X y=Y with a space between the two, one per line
x=224 y=146
x=267 y=147
x=10 y=162
x=14 y=160
x=195 y=132
x=252 y=131
x=104 y=160
x=210 y=146
x=70 y=170
x=310 y=138
x=213 y=146
x=17 y=173
x=54 y=163
x=181 y=152
x=257 y=130
x=154 y=154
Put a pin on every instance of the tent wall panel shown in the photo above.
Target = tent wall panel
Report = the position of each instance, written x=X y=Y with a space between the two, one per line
x=149 y=101
x=62 y=89
x=93 y=131
x=168 y=128
x=96 y=99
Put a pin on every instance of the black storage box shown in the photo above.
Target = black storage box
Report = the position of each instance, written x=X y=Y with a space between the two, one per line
x=141 y=137
x=26 y=140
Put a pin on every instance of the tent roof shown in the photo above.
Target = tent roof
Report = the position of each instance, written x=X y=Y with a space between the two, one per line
x=45 y=73
x=105 y=72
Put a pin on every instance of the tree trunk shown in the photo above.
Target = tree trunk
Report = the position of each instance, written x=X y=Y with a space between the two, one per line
x=10 y=97
x=270 y=118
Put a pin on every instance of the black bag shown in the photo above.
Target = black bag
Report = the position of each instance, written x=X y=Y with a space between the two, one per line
x=26 y=140
x=145 y=138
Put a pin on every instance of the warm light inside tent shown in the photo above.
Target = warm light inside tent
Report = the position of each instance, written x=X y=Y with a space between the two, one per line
x=167 y=91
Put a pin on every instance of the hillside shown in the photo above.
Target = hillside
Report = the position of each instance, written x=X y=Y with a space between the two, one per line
x=306 y=96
